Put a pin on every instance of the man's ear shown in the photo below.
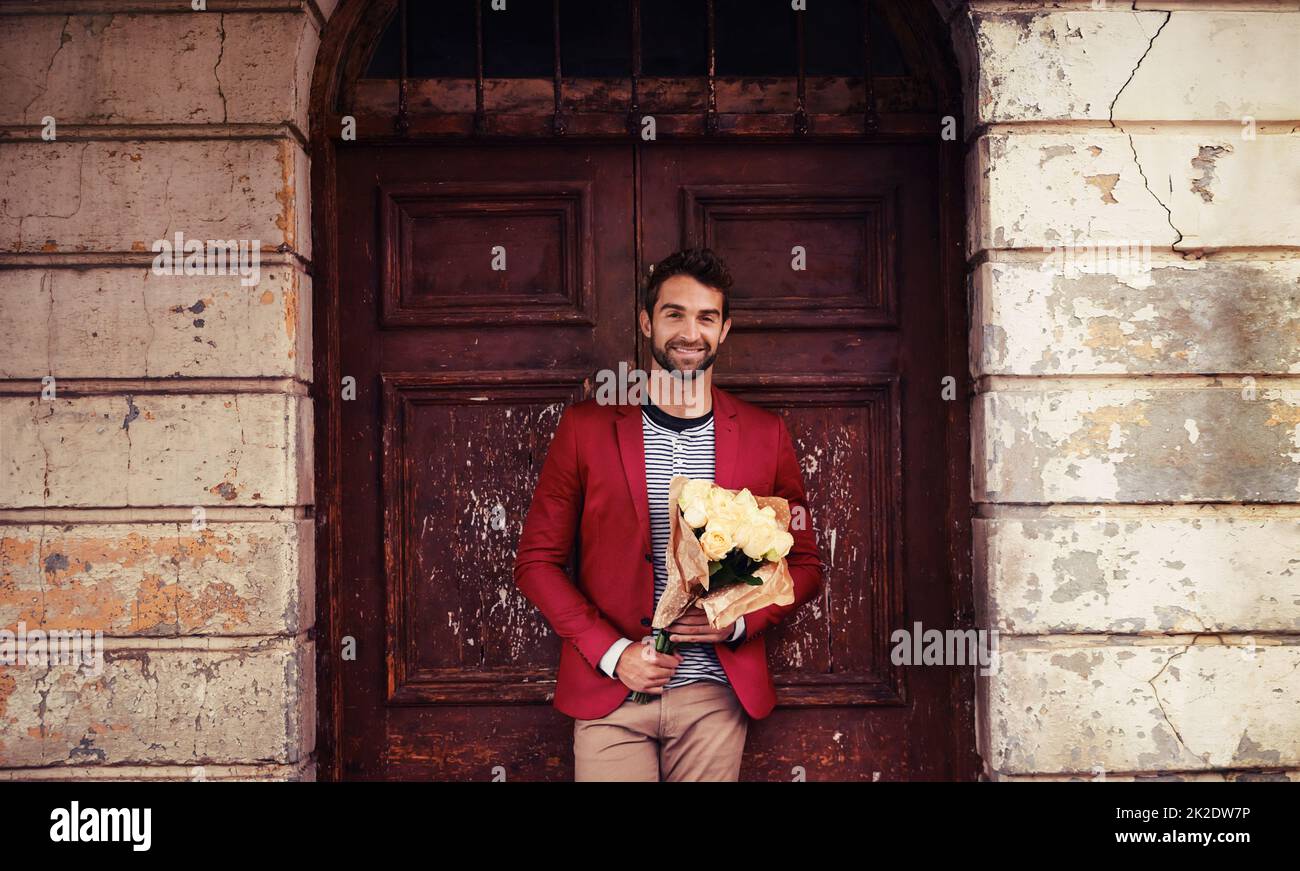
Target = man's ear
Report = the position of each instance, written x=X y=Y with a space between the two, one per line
x=726 y=328
x=644 y=319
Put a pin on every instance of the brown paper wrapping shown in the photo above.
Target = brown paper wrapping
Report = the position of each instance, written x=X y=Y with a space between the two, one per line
x=688 y=571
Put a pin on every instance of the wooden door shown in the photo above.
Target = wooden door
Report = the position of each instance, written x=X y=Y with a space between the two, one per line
x=462 y=371
x=850 y=349
x=479 y=288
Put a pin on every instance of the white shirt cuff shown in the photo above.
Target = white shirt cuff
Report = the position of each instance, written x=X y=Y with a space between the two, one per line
x=740 y=628
x=609 y=661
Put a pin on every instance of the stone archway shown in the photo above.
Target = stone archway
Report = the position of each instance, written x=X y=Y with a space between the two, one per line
x=356 y=24
x=1038 y=105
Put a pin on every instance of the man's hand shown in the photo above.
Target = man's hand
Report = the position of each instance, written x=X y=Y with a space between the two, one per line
x=644 y=669
x=693 y=628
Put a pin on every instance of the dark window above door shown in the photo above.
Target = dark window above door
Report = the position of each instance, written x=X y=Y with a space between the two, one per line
x=753 y=37
x=598 y=67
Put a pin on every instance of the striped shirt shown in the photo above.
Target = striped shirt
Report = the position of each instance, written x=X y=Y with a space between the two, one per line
x=670 y=452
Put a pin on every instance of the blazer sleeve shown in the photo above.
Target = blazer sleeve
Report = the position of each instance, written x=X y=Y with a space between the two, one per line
x=546 y=543
x=804 y=559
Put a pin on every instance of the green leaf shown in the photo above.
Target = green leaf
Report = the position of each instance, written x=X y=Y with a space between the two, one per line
x=725 y=576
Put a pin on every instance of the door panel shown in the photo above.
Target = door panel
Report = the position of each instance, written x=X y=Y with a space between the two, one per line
x=850 y=281
x=847 y=348
x=462 y=370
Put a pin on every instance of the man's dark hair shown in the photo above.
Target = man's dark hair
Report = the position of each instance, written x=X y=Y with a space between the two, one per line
x=699 y=263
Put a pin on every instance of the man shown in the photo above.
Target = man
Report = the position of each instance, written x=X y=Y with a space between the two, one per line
x=605 y=482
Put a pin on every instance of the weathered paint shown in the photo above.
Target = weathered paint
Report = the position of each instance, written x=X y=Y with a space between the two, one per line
x=1214 y=568
x=184 y=450
x=157 y=69
x=1111 y=442
x=1171 y=318
x=1072 y=64
x=1062 y=207
x=156 y=579
x=1167 y=383
x=81 y=196
x=125 y=322
x=1104 y=704
x=223 y=703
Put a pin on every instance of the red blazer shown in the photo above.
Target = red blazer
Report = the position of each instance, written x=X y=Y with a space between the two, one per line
x=592 y=490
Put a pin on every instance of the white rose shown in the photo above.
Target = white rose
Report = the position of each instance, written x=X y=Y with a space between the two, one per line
x=727 y=522
x=693 y=501
x=724 y=513
x=783 y=541
x=748 y=538
x=719 y=497
x=715 y=543
x=757 y=537
x=695 y=490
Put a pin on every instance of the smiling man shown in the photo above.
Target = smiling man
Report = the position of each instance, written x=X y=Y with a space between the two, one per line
x=605 y=483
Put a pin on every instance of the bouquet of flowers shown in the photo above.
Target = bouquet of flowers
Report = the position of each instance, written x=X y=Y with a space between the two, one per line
x=726 y=554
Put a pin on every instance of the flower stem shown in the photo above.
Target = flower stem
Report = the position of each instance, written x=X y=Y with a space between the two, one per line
x=662 y=645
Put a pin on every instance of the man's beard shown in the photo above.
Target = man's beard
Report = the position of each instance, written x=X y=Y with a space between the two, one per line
x=661 y=356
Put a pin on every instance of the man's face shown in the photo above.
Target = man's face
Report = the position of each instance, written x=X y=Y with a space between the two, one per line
x=687 y=327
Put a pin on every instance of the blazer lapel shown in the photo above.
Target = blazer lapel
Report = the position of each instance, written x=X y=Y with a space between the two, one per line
x=631 y=447
x=726 y=438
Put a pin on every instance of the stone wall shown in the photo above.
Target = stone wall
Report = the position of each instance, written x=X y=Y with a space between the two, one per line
x=158 y=492
x=1136 y=426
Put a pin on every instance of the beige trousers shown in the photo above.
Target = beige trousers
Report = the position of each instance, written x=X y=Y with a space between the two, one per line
x=691 y=732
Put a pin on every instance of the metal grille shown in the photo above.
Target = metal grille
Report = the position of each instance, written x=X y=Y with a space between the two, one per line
x=798 y=113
